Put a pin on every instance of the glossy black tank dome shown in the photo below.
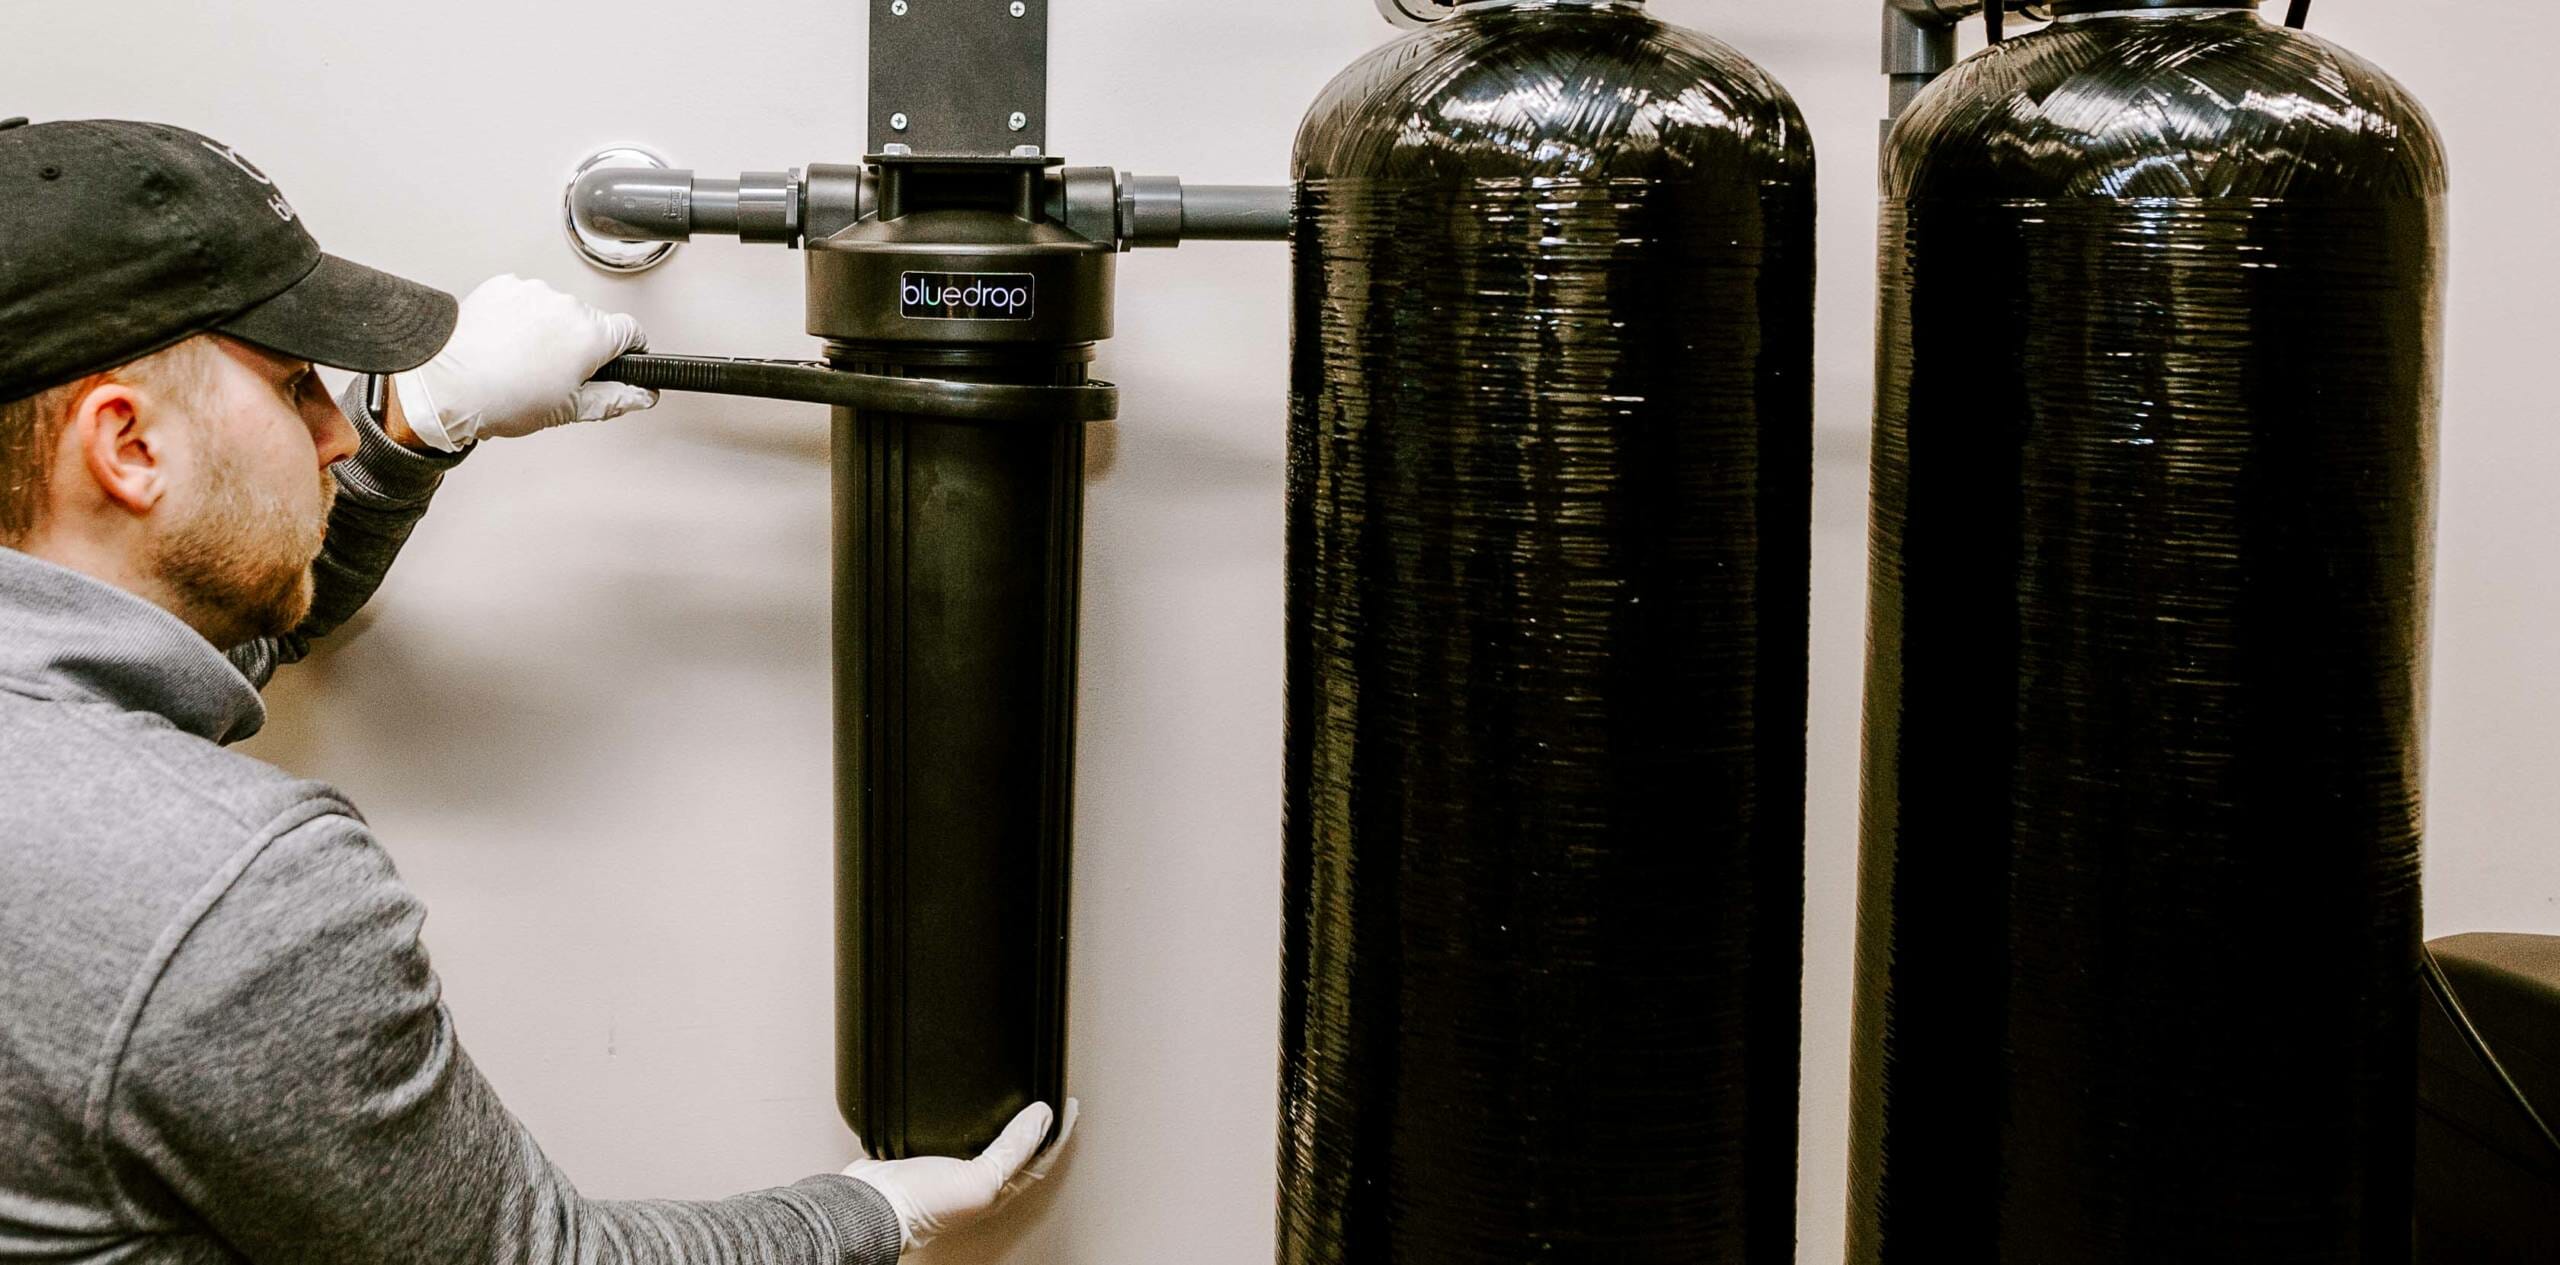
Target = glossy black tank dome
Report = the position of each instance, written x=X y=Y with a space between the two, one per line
x=2154 y=504
x=2127 y=103
x=1550 y=469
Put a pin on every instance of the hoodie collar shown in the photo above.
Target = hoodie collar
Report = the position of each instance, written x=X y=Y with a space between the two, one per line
x=64 y=634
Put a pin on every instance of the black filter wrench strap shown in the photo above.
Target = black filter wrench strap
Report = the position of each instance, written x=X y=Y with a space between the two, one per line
x=813 y=383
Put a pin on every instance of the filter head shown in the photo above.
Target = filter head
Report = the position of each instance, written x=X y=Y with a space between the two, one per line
x=2070 y=8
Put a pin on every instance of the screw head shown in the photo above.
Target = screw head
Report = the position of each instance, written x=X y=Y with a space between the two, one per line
x=898 y=8
x=898 y=121
x=1019 y=8
x=1019 y=121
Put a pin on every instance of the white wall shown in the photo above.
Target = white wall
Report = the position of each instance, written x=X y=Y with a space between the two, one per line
x=590 y=713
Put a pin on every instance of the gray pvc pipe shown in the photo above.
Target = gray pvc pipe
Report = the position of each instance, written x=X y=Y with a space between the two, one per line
x=1919 y=46
x=649 y=204
x=636 y=204
x=1236 y=213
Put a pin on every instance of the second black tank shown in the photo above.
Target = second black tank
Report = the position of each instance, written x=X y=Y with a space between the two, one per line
x=2155 y=434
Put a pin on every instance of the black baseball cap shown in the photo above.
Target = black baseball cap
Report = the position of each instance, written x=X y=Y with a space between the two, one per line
x=118 y=239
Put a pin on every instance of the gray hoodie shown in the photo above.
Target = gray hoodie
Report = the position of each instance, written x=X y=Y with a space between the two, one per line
x=220 y=1038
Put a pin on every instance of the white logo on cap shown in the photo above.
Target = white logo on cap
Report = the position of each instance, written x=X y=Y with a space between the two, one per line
x=275 y=201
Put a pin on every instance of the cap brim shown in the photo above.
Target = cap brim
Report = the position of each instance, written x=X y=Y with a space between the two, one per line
x=347 y=316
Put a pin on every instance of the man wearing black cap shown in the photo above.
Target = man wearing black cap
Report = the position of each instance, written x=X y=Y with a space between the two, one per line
x=220 y=1038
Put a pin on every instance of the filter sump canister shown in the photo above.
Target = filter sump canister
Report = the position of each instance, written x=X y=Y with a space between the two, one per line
x=2155 y=435
x=958 y=563
x=1548 y=529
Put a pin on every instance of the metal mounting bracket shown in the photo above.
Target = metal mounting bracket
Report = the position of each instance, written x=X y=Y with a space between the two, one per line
x=959 y=78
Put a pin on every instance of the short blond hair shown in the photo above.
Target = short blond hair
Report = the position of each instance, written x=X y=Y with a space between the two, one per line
x=31 y=427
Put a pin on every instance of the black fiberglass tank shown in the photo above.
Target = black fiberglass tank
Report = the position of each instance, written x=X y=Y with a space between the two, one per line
x=2155 y=434
x=1548 y=523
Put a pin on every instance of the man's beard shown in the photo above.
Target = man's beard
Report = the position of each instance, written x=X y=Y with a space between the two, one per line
x=241 y=561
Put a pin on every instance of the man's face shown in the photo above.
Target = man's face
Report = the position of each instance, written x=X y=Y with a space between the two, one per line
x=248 y=515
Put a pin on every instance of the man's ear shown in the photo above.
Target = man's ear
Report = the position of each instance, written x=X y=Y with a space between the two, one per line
x=123 y=452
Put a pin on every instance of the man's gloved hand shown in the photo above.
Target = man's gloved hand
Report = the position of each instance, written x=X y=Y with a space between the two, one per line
x=518 y=363
x=932 y=1195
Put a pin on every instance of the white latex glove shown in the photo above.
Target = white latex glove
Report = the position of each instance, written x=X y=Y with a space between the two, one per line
x=518 y=363
x=932 y=1195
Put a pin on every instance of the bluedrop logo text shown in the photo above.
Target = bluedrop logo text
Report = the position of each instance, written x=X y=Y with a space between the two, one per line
x=968 y=296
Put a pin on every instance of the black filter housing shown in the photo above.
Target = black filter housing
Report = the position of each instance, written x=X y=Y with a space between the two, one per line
x=2153 y=523
x=957 y=564
x=1548 y=503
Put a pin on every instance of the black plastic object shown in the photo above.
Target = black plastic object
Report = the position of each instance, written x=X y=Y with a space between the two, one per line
x=2153 y=530
x=1550 y=464
x=957 y=562
x=2488 y=1176
x=956 y=582
x=2074 y=8
x=820 y=384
